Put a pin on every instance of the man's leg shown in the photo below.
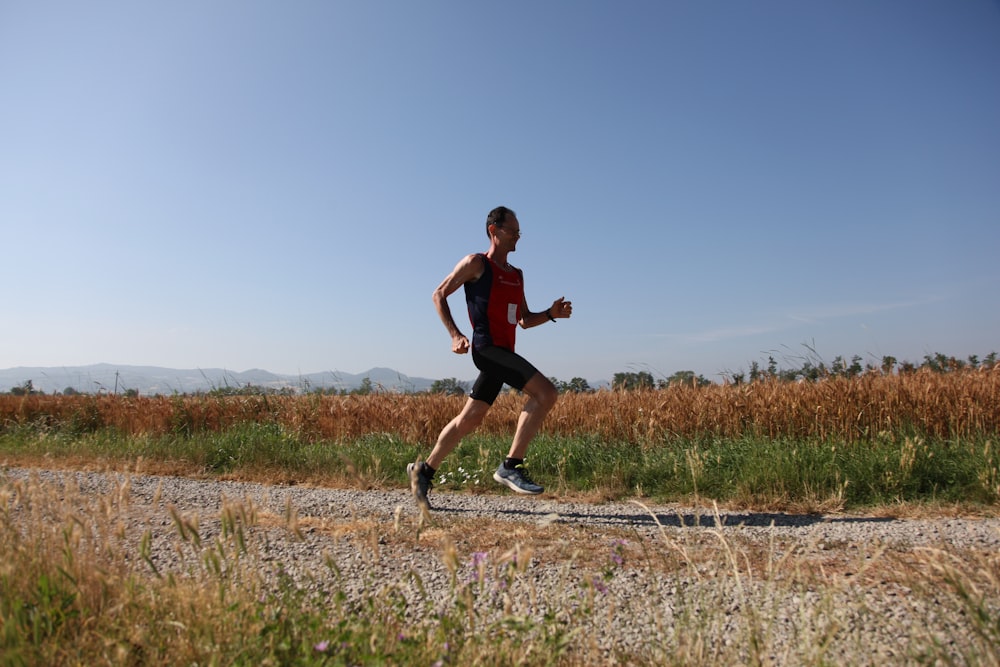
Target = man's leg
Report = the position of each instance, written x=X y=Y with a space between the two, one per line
x=462 y=425
x=421 y=474
x=542 y=396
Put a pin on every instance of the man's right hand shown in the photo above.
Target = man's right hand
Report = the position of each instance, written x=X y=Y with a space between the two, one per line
x=460 y=345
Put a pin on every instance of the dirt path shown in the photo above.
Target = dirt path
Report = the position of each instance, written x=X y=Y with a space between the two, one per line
x=849 y=579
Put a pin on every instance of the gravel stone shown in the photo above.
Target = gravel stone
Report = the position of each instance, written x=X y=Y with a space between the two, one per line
x=635 y=613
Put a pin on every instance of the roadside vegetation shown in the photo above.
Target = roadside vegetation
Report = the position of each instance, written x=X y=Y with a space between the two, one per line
x=843 y=441
x=81 y=584
x=77 y=586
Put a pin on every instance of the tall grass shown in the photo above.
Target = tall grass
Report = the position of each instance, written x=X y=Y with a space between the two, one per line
x=859 y=409
x=839 y=442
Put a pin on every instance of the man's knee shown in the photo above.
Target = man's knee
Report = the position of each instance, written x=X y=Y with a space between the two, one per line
x=543 y=391
x=550 y=397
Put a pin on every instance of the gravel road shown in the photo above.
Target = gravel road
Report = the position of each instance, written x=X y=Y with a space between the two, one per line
x=821 y=588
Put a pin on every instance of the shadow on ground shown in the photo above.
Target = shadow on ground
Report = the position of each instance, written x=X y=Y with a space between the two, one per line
x=687 y=518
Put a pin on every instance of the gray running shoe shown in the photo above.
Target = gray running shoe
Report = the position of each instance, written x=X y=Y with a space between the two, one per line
x=420 y=484
x=518 y=480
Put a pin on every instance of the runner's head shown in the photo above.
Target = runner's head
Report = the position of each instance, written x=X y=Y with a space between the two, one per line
x=498 y=217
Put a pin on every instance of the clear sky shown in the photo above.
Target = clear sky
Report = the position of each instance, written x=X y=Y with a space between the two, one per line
x=281 y=185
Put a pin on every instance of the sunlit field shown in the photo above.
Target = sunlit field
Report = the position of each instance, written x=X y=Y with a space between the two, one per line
x=78 y=584
x=834 y=443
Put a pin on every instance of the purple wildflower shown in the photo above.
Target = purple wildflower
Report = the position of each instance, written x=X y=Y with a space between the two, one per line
x=617 y=551
x=477 y=565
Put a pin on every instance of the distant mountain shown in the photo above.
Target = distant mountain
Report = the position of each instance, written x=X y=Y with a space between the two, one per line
x=152 y=380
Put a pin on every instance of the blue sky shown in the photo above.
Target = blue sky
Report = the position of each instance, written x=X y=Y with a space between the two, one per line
x=281 y=185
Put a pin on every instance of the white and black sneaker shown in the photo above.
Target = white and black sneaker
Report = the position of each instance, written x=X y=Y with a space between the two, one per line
x=517 y=479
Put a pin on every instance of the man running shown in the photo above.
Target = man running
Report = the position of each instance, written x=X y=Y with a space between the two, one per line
x=494 y=294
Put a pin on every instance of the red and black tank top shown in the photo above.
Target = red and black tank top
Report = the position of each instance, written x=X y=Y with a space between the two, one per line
x=494 y=302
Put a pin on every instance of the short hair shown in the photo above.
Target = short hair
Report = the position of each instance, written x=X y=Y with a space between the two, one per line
x=497 y=217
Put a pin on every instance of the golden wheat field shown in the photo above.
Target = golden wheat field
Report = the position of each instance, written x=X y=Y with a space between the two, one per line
x=939 y=405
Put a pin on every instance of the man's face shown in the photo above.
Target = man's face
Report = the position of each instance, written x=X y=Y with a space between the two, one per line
x=509 y=233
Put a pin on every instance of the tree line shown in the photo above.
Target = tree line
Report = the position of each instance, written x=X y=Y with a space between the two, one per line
x=809 y=367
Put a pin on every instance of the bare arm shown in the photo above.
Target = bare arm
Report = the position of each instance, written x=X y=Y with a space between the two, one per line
x=468 y=269
x=559 y=308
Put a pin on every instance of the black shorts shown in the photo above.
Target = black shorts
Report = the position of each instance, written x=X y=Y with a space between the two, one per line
x=497 y=367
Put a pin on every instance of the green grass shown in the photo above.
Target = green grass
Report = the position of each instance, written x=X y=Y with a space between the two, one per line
x=750 y=471
x=76 y=589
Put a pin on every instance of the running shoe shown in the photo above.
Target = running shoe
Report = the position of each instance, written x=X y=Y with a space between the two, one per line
x=420 y=484
x=518 y=480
